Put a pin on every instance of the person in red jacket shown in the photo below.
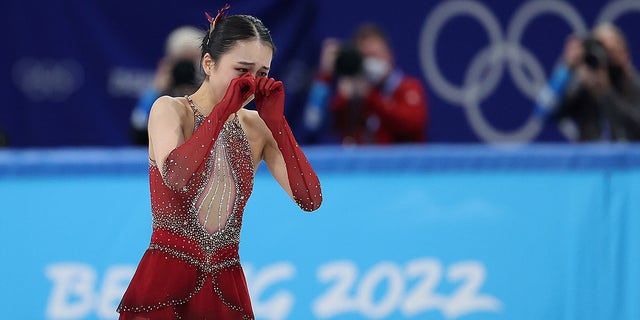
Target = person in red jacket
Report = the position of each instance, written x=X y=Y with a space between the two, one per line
x=374 y=102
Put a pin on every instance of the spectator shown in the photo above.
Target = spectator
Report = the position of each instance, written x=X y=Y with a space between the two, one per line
x=375 y=102
x=596 y=87
x=175 y=76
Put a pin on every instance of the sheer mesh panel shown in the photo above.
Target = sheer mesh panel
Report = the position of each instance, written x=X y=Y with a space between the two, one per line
x=182 y=163
x=215 y=202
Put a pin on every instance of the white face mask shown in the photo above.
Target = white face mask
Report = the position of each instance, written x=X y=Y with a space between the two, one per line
x=375 y=69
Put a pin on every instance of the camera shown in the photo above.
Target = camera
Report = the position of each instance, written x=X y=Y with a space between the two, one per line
x=348 y=62
x=184 y=79
x=183 y=72
x=595 y=55
x=351 y=63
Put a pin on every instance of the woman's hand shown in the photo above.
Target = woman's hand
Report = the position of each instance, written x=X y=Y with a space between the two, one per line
x=269 y=95
x=240 y=89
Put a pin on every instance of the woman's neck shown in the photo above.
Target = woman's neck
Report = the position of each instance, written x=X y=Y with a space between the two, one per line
x=204 y=98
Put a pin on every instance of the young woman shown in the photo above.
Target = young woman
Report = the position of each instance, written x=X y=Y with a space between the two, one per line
x=203 y=152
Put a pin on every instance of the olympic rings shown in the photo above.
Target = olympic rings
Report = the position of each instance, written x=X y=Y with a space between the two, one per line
x=487 y=66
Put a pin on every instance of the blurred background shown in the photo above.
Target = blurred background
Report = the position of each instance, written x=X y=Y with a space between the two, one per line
x=478 y=157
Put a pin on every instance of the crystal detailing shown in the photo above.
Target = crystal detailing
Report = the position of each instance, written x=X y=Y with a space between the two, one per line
x=181 y=219
x=197 y=115
x=227 y=181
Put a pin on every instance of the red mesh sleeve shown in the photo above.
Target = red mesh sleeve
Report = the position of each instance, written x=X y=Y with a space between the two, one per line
x=303 y=180
x=187 y=158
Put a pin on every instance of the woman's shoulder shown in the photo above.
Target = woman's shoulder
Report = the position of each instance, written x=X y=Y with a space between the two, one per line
x=170 y=106
x=251 y=118
x=253 y=125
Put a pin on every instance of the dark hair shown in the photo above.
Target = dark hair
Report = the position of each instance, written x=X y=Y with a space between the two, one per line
x=234 y=28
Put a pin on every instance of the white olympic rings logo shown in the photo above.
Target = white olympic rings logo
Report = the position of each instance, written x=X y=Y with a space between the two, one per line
x=486 y=68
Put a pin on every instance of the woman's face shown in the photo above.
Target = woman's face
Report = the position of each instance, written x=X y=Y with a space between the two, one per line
x=247 y=56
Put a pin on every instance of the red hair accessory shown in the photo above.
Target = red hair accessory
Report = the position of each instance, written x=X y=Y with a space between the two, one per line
x=214 y=21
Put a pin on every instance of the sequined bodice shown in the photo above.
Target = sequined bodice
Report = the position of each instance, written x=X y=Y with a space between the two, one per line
x=206 y=214
x=191 y=269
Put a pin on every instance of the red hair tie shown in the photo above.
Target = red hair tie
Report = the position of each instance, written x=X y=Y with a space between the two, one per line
x=214 y=21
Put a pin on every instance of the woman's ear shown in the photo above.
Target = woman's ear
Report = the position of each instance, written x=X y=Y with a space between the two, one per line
x=207 y=64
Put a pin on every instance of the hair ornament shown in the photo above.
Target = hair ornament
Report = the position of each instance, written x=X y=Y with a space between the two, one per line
x=214 y=21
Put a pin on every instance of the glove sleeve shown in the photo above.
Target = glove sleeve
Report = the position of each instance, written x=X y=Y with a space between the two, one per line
x=303 y=180
x=183 y=161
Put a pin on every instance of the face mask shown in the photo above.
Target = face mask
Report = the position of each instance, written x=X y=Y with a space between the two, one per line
x=375 y=69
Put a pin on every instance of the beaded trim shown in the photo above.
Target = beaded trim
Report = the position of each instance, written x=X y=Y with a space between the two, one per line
x=163 y=304
x=212 y=269
x=182 y=218
x=204 y=267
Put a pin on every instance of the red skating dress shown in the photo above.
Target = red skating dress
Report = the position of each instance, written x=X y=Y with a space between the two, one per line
x=191 y=269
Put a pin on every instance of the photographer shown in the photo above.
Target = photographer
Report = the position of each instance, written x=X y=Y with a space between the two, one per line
x=597 y=88
x=374 y=102
x=174 y=76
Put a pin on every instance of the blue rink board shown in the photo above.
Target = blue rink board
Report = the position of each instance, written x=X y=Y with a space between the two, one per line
x=542 y=232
